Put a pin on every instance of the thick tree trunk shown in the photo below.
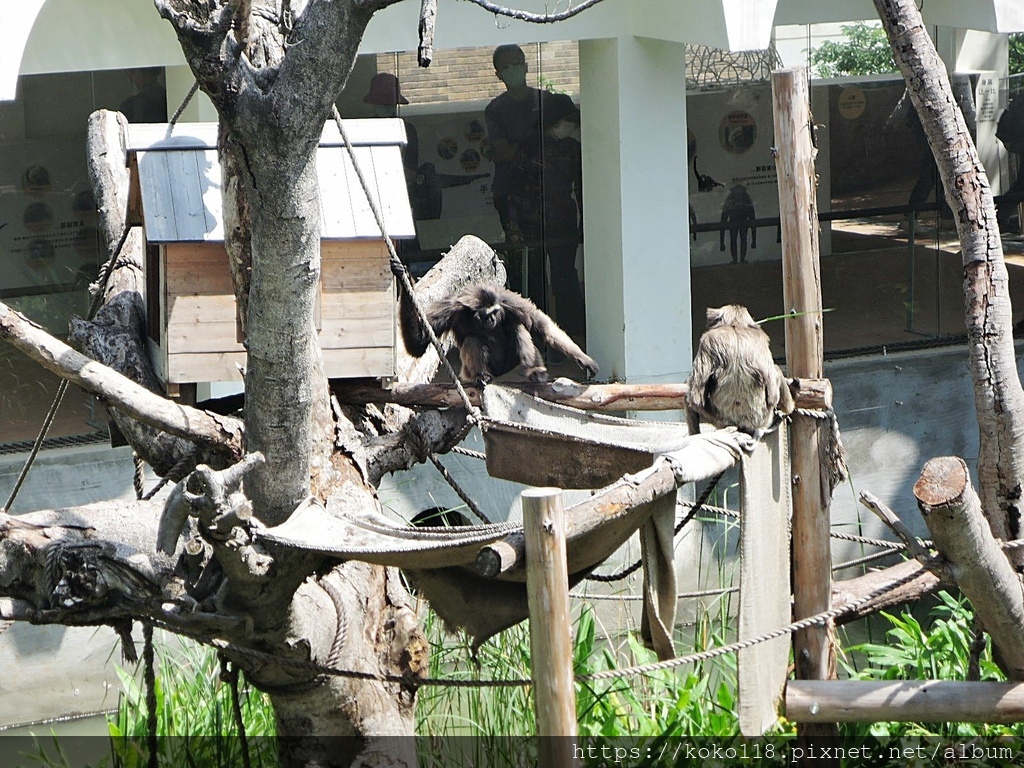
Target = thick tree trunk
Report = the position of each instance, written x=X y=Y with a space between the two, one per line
x=999 y=398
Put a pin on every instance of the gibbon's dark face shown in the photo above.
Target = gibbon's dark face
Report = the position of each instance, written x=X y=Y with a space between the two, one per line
x=489 y=316
x=488 y=313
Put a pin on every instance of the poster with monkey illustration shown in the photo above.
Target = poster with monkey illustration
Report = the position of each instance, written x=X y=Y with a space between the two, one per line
x=731 y=176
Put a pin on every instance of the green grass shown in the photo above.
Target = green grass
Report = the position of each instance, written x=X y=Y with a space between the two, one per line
x=651 y=712
x=194 y=714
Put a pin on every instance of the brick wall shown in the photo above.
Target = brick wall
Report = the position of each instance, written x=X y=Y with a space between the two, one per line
x=466 y=74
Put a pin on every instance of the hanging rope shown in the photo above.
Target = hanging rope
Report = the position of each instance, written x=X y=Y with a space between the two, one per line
x=643 y=669
x=459 y=491
x=149 y=662
x=229 y=675
x=181 y=107
x=58 y=398
x=468 y=452
x=62 y=388
x=694 y=509
x=139 y=476
x=403 y=274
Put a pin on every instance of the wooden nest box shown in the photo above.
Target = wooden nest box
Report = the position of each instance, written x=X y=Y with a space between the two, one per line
x=192 y=321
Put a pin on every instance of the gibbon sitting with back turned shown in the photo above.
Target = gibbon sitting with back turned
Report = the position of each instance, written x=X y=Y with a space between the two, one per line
x=495 y=329
x=735 y=382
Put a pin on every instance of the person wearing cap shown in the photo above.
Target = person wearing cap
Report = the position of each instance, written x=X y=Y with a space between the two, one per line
x=545 y=205
x=384 y=96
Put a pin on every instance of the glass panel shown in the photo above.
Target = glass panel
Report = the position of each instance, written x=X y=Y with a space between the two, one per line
x=891 y=269
x=493 y=152
x=49 y=249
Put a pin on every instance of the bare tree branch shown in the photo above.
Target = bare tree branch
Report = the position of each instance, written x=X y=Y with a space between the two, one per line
x=535 y=18
x=221 y=432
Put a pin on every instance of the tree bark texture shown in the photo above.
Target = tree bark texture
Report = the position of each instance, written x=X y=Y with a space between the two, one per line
x=222 y=433
x=952 y=511
x=999 y=398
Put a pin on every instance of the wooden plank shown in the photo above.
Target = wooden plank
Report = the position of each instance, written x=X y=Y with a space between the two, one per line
x=764 y=582
x=801 y=283
x=187 y=254
x=208 y=336
x=341 y=313
x=394 y=193
x=338 y=219
x=207 y=277
x=355 y=250
x=547 y=590
x=199 y=366
x=186 y=195
x=155 y=183
x=358 y=332
x=361 y=132
x=357 y=363
x=158 y=357
x=197 y=310
x=906 y=701
x=366 y=222
x=365 y=132
x=210 y=191
x=222 y=366
x=155 y=136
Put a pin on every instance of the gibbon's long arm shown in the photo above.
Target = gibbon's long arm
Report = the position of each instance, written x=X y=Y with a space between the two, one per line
x=440 y=314
x=546 y=331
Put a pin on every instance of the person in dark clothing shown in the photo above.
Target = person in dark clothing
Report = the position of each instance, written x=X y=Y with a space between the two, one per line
x=738 y=215
x=545 y=205
x=1010 y=131
x=513 y=118
x=149 y=104
x=385 y=96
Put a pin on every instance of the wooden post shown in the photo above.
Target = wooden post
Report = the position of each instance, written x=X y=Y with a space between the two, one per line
x=547 y=586
x=801 y=278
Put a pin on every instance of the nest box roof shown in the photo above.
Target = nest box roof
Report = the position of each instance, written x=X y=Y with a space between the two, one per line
x=176 y=181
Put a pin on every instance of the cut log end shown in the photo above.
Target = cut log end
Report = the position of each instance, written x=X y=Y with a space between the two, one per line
x=943 y=482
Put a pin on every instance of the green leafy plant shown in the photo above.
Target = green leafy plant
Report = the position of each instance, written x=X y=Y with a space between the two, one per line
x=194 y=714
x=938 y=650
x=864 y=50
x=1016 y=59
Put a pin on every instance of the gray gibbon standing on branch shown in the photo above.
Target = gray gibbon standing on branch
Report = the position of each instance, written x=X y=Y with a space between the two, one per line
x=495 y=329
x=735 y=382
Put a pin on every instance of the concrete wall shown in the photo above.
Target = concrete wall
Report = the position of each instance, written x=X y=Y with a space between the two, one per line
x=49 y=672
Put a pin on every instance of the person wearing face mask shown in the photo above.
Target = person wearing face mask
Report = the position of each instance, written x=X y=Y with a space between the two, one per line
x=545 y=205
x=513 y=118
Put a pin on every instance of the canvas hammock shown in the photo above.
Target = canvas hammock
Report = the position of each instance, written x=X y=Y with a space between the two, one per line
x=536 y=442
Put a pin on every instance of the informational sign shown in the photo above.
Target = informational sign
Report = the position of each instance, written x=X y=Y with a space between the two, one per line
x=451 y=194
x=47 y=217
x=852 y=102
x=986 y=97
x=731 y=175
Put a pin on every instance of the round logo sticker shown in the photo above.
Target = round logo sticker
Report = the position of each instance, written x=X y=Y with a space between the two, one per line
x=852 y=102
x=447 y=147
x=470 y=160
x=737 y=131
x=475 y=130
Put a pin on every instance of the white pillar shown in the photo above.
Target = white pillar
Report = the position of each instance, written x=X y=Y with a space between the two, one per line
x=633 y=99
